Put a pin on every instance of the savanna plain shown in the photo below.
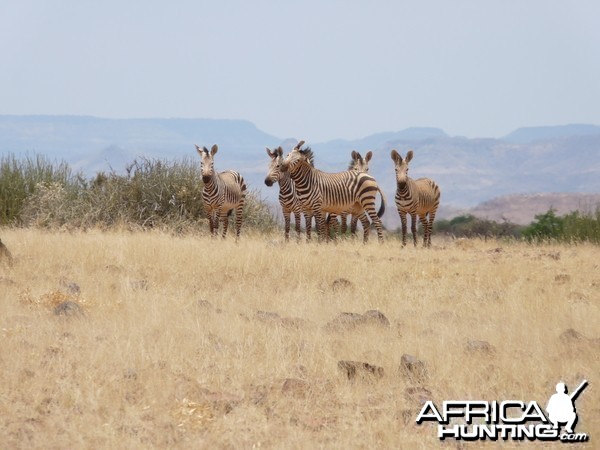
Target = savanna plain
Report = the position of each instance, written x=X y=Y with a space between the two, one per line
x=172 y=341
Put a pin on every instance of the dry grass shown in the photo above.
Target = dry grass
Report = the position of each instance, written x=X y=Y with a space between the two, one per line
x=170 y=350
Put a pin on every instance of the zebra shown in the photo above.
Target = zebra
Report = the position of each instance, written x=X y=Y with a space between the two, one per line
x=288 y=198
x=359 y=164
x=419 y=198
x=320 y=192
x=223 y=192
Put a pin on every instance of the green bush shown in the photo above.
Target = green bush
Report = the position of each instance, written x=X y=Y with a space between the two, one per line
x=21 y=178
x=151 y=194
x=572 y=227
x=471 y=226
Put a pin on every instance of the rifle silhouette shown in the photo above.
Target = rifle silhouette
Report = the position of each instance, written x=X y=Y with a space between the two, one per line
x=577 y=391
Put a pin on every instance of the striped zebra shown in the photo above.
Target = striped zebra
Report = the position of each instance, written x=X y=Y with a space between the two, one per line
x=335 y=193
x=288 y=199
x=419 y=198
x=223 y=192
x=358 y=164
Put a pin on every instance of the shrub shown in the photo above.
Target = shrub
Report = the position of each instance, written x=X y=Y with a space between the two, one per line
x=21 y=178
x=471 y=226
x=572 y=227
x=151 y=194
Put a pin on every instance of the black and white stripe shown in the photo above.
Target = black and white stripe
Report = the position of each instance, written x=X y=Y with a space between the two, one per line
x=223 y=192
x=419 y=198
x=335 y=193
x=288 y=199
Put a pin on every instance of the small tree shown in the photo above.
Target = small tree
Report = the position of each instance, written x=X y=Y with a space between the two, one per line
x=545 y=226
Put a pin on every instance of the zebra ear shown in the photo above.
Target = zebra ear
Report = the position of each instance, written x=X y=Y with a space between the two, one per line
x=396 y=157
x=300 y=144
x=198 y=149
x=270 y=153
x=368 y=156
x=214 y=149
x=355 y=155
x=279 y=151
x=409 y=156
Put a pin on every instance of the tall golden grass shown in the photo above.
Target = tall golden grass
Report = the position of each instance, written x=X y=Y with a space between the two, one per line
x=175 y=346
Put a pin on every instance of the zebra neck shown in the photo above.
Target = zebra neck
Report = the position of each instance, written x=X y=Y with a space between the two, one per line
x=301 y=171
x=405 y=187
x=211 y=185
x=285 y=182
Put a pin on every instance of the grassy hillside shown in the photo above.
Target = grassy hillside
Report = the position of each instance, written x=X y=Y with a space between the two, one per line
x=188 y=342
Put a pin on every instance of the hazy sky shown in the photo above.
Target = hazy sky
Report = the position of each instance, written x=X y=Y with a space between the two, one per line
x=313 y=69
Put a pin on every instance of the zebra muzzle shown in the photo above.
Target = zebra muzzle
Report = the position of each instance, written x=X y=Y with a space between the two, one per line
x=268 y=182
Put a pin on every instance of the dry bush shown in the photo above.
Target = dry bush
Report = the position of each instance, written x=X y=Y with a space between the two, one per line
x=188 y=342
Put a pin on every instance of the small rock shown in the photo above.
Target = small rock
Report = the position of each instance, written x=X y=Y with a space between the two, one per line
x=352 y=369
x=139 y=285
x=562 y=278
x=570 y=336
x=130 y=374
x=413 y=368
x=376 y=317
x=73 y=289
x=481 y=347
x=295 y=387
x=203 y=304
x=345 y=321
x=68 y=308
x=5 y=254
x=341 y=284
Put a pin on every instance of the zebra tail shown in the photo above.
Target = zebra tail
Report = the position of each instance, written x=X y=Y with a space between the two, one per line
x=382 y=207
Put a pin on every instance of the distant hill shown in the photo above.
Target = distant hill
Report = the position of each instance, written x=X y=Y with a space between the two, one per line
x=522 y=208
x=531 y=134
x=469 y=171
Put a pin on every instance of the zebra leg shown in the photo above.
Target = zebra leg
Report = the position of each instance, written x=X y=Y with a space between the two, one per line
x=425 y=224
x=353 y=224
x=413 y=227
x=366 y=226
x=377 y=221
x=298 y=225
x=225 y=220
x=214 y=223
x=404 y=230
x=286 y=219
x=321 y=224
x=344 y=229
x=332 y=222
x=431 y=219
x=238 y=219
x=308 y=224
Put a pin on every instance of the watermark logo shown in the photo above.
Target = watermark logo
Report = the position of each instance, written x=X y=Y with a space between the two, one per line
x=510 y=419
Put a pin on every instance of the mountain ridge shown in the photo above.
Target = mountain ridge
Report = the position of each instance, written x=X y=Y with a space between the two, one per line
x=469 y=171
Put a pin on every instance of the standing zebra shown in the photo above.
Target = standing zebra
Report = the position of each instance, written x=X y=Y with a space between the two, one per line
x=419 y=197
x=223 y=192
x=335 y=193
x=288 y=198
x=358 y=164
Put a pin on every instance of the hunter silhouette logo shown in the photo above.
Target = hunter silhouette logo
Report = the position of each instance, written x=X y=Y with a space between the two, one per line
x=472 y=420
x=561 y=407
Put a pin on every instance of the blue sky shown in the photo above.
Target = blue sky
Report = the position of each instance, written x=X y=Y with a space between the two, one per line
x=316 y=69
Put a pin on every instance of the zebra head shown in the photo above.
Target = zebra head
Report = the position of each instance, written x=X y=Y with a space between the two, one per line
x=294 y=157
x=358 y=163
x=207 y=163
x=401 y=166
x=274 y=166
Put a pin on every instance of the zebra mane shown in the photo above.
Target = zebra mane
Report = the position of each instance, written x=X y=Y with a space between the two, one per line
x=308 y=153
x=351 y=164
